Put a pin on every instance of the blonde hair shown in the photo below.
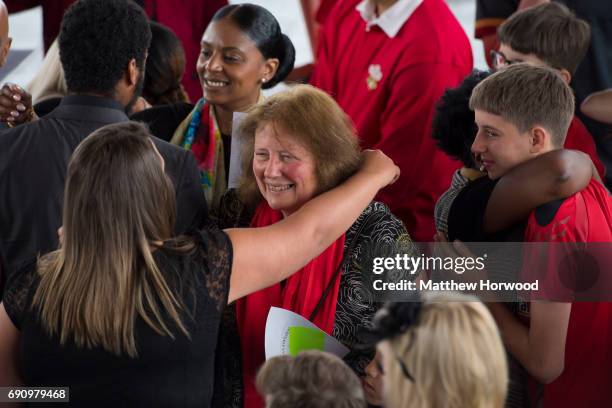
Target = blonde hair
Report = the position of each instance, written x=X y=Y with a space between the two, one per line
x=118 y=203
x=311 y=379
x=454 y=354
x=316 y=122
x=49 y=81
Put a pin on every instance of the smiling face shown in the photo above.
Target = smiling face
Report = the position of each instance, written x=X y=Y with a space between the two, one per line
x=499 y=146
x=284 y=169
x=231 y=67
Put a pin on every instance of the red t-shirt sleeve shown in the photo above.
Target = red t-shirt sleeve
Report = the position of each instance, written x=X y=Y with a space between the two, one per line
x=579 y=138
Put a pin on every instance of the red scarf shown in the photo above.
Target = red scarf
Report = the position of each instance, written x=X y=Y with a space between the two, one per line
x=299 y=293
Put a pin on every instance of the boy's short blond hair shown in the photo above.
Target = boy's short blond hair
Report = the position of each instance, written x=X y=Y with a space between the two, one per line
x=526 y=96
x=549 y=31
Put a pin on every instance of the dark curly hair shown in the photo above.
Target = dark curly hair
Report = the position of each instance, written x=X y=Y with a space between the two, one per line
x=453 y=126
x=263 y=29
x=97 y=40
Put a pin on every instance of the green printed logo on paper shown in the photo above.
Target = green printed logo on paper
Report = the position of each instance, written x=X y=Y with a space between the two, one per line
x=305 y=338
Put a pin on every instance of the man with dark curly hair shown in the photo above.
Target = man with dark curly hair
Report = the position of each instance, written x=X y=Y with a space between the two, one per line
x=103 y=47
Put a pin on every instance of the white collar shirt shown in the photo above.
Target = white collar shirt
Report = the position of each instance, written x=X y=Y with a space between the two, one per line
x=392 y=20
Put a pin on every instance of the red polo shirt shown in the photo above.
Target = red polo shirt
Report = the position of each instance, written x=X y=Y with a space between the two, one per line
x=389 y=87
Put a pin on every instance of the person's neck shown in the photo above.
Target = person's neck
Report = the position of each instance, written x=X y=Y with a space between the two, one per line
x=224 y=119
x=99 y=95
x=224 y=115
x=383 y=5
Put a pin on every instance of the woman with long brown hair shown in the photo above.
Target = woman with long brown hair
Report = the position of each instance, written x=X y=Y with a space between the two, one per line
x=123 y=313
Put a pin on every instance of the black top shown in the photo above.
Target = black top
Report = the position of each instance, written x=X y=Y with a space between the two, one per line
x=227 y=154
x=44 y=107
x=466 y=215
x=33 y=162
x=164 y=119
x=166 y=372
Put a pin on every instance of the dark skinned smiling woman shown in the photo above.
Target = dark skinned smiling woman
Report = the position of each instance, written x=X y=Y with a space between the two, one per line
x=243 y=51
x=123 y=313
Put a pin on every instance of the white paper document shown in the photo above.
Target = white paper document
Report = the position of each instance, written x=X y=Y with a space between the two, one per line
x=288 y=333
x=235 y=166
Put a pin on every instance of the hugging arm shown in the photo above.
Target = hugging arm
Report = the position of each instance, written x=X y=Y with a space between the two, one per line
x=265 y=256
x=551 y=176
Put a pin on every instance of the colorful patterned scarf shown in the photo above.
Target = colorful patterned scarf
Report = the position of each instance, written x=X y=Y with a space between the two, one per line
x=200 y=133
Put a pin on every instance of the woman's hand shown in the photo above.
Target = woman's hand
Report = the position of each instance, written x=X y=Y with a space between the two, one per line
x=15 y=105
x=380 y=166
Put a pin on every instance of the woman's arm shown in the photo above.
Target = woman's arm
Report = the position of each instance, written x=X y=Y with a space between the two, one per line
x=551 y=176
x=598 y=106
x=9 y=350
x=264 y=256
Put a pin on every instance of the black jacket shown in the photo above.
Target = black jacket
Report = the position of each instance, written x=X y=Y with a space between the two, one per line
x=33 y=164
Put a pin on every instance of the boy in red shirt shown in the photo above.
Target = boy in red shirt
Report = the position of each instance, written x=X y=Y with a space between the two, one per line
x=387 y=63
x=522 y=112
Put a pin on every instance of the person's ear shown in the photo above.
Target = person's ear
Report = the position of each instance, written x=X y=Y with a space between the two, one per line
x=540 y=139
x=132 y=73
x=269 y=69
x=565 y=74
